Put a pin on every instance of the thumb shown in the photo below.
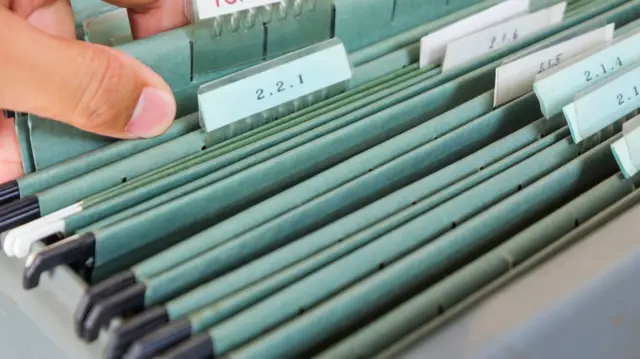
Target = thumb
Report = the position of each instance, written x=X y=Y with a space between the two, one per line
x=94 y=88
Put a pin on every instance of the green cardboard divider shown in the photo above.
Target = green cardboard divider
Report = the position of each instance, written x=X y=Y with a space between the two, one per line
x=430 y=303
x=208 y=166
x=111 y=175
x=24 y=140
x=240 y=190
x=558 y=31
x=285 y=216
x=459 y=176
x=423 y=263
x=77 y=166
x=360 y=23
x=54 y=142
x=228 y=306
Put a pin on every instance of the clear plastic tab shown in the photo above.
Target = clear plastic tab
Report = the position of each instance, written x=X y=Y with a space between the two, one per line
x=631 y=137
x=251 y=34
x=111 y=28
x=228 y=40
x=516 y=78
x=207 y=9
x=604 y=103
x=250 y=98
x=560 y=87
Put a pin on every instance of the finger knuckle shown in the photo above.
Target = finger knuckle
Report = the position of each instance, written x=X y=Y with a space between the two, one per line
x=100 y=90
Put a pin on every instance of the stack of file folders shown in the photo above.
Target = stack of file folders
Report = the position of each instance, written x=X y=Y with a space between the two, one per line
x=340 y=228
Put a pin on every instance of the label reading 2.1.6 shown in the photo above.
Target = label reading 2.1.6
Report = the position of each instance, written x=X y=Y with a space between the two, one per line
x=504 y=39
x=493 y=38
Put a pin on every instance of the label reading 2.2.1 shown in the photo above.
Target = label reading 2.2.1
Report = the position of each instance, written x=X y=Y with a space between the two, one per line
x=275 y=85
x=280 y=86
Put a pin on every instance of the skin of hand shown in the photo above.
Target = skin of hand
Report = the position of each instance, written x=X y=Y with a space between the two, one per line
x=45 y=71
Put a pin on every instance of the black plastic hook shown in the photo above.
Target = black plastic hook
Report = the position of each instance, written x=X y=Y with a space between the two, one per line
x=19 y=212
x=160 y=340
x=130 y=300
x=198 y=347
x=68 y=251
x=134 y=329
x=98 y=292
x=9 y=192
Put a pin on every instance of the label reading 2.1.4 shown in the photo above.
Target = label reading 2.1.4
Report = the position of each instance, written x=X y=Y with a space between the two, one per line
x=602 y=70
x=604 y=104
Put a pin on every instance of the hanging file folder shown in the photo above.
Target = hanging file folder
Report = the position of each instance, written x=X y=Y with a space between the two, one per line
x=336 y=181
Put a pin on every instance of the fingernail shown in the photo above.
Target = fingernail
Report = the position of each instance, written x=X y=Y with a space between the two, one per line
x=153 y=114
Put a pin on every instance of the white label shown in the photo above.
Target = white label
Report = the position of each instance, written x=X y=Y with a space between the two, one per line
x=516 y=78
x=273 y=83
x=433 y=46
x=571 y=61
x=205 y=9
x=477 y=45
x=603 y=104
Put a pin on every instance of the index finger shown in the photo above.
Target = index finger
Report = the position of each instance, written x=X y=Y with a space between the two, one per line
x=150 y=17
x=10 y=160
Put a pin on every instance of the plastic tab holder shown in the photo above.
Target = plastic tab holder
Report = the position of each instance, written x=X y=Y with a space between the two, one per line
x=249 y=34
x=110 y=29
x=626 y=150
x=600 y=106
x=516 y=78
x=205 y=9
x=247 y=99
x=558 y=89
x=296 y=24
x=227 y=40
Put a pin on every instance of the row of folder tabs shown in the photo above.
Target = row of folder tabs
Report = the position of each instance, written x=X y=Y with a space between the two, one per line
x=344 y=172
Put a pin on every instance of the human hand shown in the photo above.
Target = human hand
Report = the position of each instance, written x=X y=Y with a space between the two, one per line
x=45 y=71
